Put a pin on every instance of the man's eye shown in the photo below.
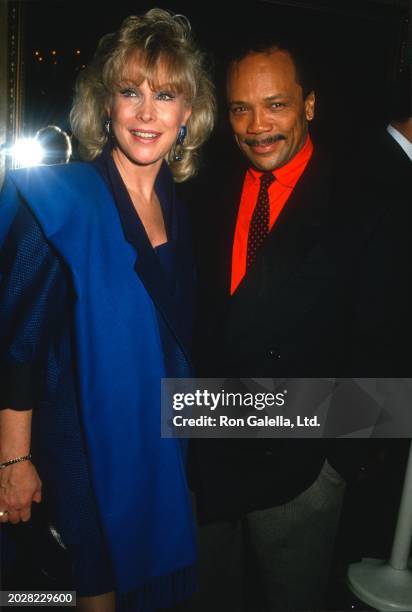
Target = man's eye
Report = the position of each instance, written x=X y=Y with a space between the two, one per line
x=277 y=105
x=236 y=110
x=128 y=93
x=165 y=96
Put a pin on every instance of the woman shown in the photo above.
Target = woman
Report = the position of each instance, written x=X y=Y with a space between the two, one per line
x=95 y=304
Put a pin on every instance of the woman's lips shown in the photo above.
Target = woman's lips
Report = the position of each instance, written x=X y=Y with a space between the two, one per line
x=145 y=136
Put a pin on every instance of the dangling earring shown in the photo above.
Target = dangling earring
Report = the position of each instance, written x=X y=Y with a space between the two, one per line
x=107 y=125
x=181 y=135
x=178 y=156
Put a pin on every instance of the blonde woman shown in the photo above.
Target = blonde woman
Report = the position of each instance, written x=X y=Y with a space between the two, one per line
x=95 y=308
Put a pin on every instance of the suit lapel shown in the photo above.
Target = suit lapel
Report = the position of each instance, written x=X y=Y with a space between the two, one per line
x=231 y=201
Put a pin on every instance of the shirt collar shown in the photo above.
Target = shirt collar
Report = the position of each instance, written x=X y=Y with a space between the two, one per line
x=286 y=175
x=401 y=140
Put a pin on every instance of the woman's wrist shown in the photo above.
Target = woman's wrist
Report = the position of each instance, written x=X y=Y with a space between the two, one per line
x=15 y=429
x=14 y=460
x=12 y=451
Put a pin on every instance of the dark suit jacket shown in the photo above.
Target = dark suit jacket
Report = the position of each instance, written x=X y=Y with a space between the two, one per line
x=372 y=226
x=329 y=295
x=282 y=321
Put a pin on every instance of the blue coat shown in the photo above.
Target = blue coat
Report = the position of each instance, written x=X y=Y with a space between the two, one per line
x=129 y=322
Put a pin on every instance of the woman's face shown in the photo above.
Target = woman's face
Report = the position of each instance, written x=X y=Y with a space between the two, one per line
x=145 y=122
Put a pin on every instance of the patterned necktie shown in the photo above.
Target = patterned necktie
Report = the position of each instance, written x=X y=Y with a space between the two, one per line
x=259 y=224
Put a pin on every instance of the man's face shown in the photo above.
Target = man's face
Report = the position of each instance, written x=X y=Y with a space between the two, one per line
x=267 y=111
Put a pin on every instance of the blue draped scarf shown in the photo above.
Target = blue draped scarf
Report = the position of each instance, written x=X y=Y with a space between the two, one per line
x=138 y=477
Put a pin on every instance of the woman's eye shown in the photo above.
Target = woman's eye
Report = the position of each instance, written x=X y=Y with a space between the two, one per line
x=128 y=93
x=165 y=96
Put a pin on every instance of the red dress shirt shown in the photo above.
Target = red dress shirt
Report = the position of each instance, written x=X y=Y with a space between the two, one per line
x=286 y=178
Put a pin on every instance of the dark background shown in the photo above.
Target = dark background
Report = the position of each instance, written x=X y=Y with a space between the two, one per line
x=354 y=46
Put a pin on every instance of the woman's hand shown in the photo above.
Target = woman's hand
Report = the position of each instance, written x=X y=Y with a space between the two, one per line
x=20 y=485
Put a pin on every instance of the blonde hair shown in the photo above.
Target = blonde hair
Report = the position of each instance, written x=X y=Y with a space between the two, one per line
x=157 y=38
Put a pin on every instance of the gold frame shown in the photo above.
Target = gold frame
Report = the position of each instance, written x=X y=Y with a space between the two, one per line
x=11 y=75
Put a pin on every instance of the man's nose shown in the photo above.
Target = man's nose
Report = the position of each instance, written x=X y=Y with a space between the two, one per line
x=258 y=122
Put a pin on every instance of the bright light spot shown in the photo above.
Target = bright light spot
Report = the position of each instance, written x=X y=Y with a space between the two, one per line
x=40 y=59
x=78 y=52
x=26 y=152
x=36 y=53
x=53 y=52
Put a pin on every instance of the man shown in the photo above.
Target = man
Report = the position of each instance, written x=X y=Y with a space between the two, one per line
x=373 y=209
x=377 y=289
x=56 y=145
x=275 y=503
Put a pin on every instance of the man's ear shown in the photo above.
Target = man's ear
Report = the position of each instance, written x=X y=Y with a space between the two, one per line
x=310 y=106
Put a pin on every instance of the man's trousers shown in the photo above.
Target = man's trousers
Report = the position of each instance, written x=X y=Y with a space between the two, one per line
x=277 y=559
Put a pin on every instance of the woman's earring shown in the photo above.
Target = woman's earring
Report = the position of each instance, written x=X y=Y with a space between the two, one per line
x=181 y=135
x=107 y=125
x=179 y=143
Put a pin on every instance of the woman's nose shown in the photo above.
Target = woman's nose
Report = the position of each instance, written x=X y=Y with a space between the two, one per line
x=146 y=111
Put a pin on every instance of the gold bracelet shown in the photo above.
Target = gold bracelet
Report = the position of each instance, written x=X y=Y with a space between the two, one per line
x=16 y=460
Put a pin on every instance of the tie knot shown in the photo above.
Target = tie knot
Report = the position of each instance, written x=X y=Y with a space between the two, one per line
x=266 y=179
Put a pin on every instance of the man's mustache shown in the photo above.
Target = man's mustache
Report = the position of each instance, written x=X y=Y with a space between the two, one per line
x=259 y=142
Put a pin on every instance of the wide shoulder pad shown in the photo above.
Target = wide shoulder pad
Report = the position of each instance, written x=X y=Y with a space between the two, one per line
x=60 y=195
